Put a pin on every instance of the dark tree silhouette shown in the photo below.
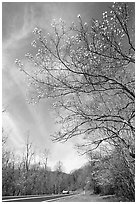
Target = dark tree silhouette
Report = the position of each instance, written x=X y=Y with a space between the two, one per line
x=88 y=70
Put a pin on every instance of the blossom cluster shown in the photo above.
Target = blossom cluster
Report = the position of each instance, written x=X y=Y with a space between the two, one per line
x=19 y=64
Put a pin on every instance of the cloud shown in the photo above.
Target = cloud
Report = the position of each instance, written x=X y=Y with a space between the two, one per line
x=20 y=32
x=13 y=132
x=67 y=155
x=35 y=118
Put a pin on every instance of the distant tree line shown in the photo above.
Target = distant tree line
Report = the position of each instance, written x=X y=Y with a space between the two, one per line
x=23 y=176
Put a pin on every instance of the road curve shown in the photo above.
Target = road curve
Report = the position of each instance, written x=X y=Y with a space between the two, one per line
x=32 y=198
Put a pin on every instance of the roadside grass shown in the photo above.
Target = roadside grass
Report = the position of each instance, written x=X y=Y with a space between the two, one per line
x=89 y=198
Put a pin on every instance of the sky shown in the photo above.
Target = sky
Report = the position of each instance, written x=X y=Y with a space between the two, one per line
x=21 y=118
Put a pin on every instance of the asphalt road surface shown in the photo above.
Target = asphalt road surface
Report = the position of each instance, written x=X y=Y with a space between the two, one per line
x=32 y=198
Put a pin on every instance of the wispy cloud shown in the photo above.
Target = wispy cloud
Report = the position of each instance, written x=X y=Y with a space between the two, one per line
x=12 y=131
x=21 y=32
x=35 y=118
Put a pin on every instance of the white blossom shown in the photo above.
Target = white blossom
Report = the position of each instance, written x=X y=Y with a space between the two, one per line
x=34 y=43
x=35 y=31
x=78 y=16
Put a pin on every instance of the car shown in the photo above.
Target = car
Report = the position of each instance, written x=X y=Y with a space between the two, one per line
x=65 y=192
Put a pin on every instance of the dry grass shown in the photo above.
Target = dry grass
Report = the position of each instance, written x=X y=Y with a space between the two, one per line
x=88 y=198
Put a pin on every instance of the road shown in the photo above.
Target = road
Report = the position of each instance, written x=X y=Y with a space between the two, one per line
x=32 y=198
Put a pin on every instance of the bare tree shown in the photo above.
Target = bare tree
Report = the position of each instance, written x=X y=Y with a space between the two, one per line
x=59 y=177
x=28 y=153
x=59 y=167
x=44 y=157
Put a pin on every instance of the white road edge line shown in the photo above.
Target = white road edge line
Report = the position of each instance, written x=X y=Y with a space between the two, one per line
x=13 y=199
x=54 y=199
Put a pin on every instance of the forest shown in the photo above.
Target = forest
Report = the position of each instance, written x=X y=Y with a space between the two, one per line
x=87 y=71
x=105 y=174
